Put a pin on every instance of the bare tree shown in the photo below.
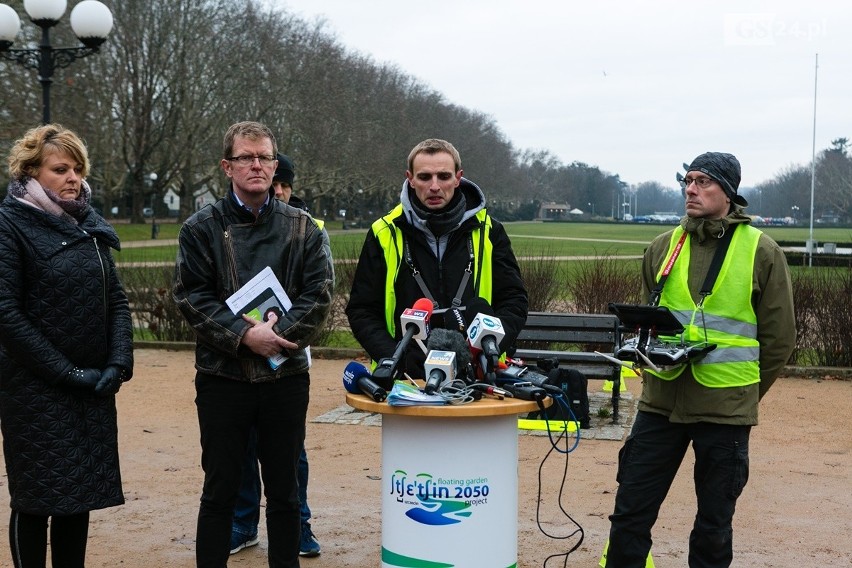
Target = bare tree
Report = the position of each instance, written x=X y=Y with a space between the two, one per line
x=834 y=178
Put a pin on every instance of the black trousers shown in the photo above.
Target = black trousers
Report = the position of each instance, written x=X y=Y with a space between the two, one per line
x=647 y=465
x=28 y=540
x=227 y=411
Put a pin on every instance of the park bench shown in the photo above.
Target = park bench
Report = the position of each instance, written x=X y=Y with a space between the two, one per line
x=572 y=339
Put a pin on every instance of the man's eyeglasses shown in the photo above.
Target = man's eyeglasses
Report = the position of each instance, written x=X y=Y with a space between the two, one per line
x=701 y=182
x=246 y=161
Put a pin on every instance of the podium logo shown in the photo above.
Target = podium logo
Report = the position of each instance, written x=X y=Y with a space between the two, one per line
x=437 y=502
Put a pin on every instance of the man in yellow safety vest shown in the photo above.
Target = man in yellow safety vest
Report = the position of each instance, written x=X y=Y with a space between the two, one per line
x=746 y=310
x=439 y=243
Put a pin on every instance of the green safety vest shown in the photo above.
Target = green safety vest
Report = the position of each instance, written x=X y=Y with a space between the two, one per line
x=728 y=316
x=391 y=240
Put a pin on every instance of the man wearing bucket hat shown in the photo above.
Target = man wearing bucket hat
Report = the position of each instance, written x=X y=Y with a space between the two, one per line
x=729 y=284
x=247 y=510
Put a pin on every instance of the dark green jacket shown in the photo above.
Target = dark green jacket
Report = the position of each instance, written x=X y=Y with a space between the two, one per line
x=684 y=399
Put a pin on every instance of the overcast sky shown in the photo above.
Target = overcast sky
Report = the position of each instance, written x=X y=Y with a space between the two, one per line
x=635 y=88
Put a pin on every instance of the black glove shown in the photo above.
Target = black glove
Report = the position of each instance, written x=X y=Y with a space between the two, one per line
x=412 y=363
x=110 y=381
x=81 y=378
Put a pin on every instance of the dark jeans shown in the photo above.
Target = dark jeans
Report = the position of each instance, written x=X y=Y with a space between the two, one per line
x=647 y=465
x=28 y=540
x=227 y=412
x=247 y=511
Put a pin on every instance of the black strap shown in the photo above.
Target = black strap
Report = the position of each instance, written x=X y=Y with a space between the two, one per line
x=467 y=272
x=409 y=260
x=712 y=271
x=718 y=259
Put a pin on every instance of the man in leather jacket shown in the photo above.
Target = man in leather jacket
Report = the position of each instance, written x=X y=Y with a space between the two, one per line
x=247 y=512
x=221 y=248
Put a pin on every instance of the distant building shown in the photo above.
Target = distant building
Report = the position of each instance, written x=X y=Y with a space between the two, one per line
x=204 y=197
x=172 y=202
x=830 y=218
x=553 y=210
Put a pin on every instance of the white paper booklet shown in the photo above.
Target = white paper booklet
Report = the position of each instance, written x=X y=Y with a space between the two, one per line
x=260 y=296
x=404 y=394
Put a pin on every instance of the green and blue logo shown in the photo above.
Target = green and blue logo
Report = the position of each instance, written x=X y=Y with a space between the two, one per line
x=437 y=501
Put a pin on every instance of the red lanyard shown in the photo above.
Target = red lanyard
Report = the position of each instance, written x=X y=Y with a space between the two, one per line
x=675 y=254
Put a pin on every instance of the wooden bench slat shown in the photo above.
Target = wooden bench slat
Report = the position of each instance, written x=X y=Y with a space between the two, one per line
x=566 y=336
x=544 y=330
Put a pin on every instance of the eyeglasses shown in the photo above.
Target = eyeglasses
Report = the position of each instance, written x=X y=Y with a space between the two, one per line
x=701 y=182
x=246 y=161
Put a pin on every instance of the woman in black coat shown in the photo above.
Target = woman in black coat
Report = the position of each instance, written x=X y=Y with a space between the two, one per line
x=66 y=346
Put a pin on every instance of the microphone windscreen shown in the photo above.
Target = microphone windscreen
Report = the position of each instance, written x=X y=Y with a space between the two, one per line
x=449 y=340
x=354 y=371
x=454 y=319
x=424 y=304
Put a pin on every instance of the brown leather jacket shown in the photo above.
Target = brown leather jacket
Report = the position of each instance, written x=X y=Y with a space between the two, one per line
x=223 y=246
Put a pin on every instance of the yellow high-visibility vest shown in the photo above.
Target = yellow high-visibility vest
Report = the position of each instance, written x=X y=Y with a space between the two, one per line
x=391 y=240
x=726 y=318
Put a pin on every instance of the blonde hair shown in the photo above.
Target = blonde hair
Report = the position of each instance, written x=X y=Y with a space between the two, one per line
x=28 y=152
x=434 y=146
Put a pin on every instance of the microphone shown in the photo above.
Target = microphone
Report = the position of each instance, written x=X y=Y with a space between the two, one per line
x=451 y=340
x=440 y=368
x=414 y=321
x=357 y=380
x=485 y=332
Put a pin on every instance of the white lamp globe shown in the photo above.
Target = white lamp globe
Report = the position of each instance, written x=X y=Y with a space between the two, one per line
x=91 y=21
x=45 y=10
x=10 y=24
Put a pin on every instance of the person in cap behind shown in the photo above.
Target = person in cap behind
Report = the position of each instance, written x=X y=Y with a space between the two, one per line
x=282 y=181
x=247 y=509
x=282 y=184
x=711 y=403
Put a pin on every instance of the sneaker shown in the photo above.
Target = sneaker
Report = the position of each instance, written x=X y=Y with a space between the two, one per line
x=308 y=545
x=240 y=541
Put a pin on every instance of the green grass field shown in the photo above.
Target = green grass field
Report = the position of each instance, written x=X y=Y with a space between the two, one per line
x=528 y=239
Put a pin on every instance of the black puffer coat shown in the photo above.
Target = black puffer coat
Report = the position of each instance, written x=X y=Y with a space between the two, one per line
x=61 y=305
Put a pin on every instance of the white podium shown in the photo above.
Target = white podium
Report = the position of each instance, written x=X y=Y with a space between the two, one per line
x=449 y=483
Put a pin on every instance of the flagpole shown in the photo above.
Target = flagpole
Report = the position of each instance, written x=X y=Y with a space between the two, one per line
x=811 y=243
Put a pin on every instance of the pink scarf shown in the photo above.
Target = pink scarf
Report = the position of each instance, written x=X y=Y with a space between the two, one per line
x=31 y=192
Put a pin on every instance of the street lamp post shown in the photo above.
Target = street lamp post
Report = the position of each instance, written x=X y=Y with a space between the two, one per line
x=91 y=21
x=155 y=228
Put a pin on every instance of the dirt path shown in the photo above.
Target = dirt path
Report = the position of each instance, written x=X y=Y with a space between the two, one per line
x=794 y=512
